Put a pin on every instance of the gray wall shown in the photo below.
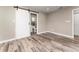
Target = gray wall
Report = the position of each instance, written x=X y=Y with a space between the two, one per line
x=42 y=22
x=60 y=21
x=7 y=20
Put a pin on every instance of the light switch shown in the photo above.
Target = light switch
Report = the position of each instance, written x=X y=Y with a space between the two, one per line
x=68 y=21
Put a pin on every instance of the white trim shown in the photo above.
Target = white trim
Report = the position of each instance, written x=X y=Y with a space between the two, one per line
x=37 y=22
x=73 y=26
x=13 y=39
x=71 y=37
x=19 y=38
x=75 y=9
x=41 y=32
x=73 y=23
x=37 y=19
x=37 y=33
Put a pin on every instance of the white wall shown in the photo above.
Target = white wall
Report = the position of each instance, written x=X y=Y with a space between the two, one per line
x=7 y=20
x=60 y=21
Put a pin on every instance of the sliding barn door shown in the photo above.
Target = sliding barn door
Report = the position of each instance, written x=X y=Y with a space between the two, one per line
x=22 y=23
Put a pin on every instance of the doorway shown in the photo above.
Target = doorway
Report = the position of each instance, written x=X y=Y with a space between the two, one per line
x=76 y=23
x=33 y=25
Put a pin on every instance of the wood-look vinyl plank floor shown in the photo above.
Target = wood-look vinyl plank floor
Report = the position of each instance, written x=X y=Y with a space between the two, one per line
x=46 y=42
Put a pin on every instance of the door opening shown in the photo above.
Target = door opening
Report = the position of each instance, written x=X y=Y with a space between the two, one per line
x=33 y=22
x=76 y=22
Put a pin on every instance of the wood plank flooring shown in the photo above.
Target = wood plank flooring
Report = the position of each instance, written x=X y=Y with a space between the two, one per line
x=45 y=42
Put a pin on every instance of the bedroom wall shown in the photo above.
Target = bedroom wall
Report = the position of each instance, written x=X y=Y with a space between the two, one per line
x=42 y=22
x=7 y=22
x=60 y=21
x=7 y=19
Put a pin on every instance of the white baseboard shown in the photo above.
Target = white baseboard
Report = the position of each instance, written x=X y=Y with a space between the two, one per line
x=41 y=32
x=71 y=37
x=38 y=33
x=17 y=38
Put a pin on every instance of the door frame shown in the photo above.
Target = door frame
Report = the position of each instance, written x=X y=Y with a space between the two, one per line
x=37 y=19
x=73 y=22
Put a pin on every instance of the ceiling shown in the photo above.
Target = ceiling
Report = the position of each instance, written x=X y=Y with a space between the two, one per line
x=44 y=9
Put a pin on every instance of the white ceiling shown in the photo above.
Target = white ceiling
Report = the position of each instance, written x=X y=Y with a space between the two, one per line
x=44 y=9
